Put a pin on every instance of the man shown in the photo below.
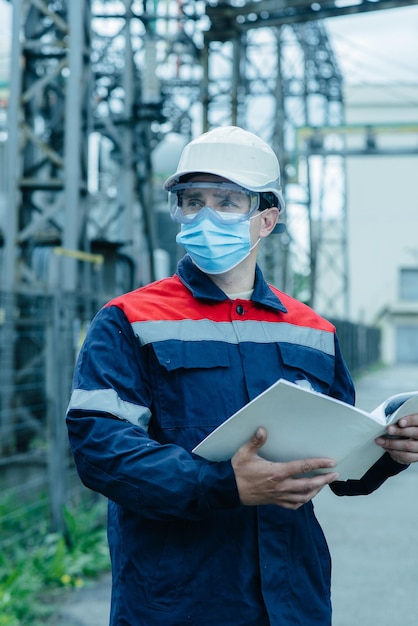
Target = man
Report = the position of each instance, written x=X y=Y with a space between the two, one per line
x=194 y=542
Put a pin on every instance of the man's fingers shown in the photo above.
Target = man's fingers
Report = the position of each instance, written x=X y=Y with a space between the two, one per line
x=307 y=466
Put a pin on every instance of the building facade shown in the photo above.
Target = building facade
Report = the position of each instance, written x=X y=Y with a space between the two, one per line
x=382 y=210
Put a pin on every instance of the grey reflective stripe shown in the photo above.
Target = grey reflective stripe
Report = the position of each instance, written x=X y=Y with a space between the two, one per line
x=234 y=332
x=108 y=400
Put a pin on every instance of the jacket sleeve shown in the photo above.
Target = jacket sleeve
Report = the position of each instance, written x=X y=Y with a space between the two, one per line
x=114 y=455
x=385 y=467
x=372 y=479
x=343 y=386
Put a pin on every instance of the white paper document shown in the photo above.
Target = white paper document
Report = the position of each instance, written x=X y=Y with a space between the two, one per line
x=304 y=424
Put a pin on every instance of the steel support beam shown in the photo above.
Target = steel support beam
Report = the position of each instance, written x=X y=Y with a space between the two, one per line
x=227 y=19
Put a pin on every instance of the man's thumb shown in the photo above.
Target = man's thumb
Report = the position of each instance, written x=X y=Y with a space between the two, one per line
x=259 y=437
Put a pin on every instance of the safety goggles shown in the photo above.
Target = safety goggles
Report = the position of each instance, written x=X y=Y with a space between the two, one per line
x=229 y=203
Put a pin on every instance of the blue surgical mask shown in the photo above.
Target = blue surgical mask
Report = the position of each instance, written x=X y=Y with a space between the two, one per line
x=215 y=248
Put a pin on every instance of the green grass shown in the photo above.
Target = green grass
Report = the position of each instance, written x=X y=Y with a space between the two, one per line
x=33 y=577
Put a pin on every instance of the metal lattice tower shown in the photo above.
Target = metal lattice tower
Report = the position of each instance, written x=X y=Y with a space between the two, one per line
x=285 y=77
x=86 y=112
x=107 y=80
x=48 y=129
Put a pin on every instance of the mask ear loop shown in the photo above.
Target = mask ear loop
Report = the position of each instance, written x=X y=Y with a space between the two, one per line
x=256 y=244
x=251 y=218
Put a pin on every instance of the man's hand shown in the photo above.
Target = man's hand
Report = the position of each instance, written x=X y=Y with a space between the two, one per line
x=262 y=482
x=402 y=440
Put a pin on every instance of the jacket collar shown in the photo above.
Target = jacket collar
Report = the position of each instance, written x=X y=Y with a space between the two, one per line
x=201 y=286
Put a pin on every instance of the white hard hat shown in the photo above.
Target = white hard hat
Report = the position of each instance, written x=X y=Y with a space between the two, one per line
x=234 y=154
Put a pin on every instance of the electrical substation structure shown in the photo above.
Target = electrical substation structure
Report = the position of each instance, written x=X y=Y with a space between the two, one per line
x=103 y=95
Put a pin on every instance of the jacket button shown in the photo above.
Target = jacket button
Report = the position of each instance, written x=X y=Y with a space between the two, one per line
x=240 y=309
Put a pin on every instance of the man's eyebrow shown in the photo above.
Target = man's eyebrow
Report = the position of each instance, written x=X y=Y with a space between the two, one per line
x=218 y=193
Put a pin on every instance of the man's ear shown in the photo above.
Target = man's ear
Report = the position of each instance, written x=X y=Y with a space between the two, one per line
x=269 y=219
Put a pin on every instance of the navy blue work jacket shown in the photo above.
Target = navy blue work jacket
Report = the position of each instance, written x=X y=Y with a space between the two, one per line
x=160 y=368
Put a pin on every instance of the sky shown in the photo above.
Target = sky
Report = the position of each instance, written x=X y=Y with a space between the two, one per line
x=379 y=46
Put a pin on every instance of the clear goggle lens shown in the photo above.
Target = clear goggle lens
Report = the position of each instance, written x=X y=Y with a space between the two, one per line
x=229 y=202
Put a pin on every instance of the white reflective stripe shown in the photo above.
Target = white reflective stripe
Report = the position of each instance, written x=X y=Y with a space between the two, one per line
x=234 y=332
x=273 y=332
x=107 y=400
x=184 y=330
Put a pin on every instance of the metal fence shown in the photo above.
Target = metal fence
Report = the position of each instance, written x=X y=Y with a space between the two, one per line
x=360 y=344
x=40 y=336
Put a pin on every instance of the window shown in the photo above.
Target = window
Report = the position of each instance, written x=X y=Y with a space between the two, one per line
x=408 y=287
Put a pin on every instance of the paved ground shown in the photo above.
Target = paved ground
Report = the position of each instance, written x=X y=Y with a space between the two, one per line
x=373 y=541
